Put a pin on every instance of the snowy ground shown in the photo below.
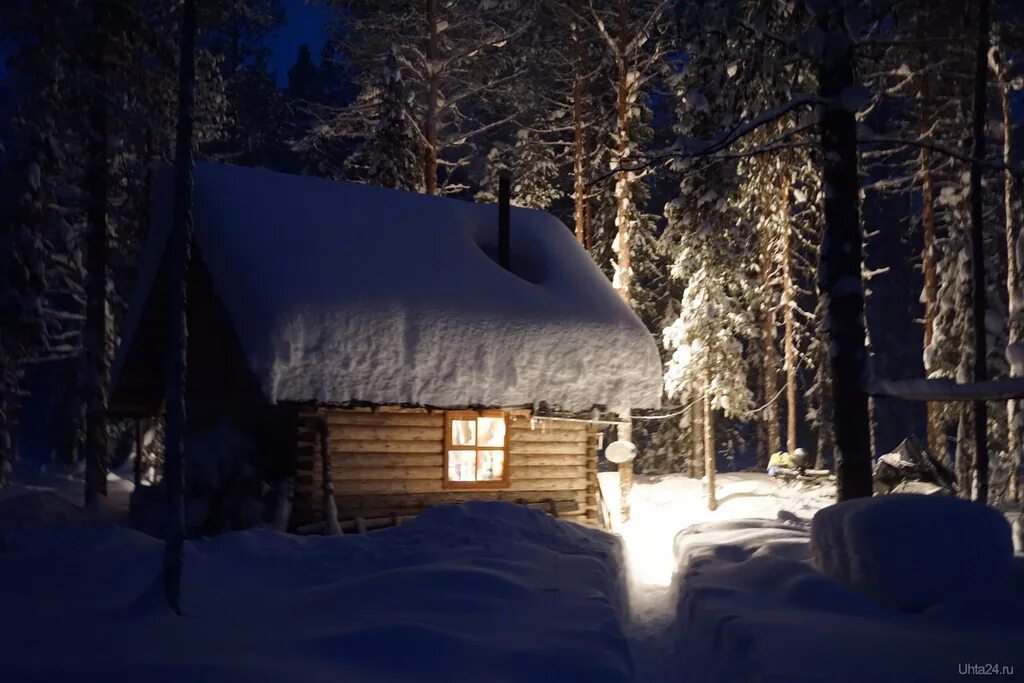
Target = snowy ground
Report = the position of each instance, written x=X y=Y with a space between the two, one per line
x=662 y=506
x=486 y=592
x=478 y=592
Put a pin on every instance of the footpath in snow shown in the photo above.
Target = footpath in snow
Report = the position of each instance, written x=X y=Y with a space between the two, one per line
x=661 y=507
x=736 y=595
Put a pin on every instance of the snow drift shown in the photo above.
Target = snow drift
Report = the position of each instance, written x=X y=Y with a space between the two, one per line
x=342 y=292
x=913 y=552
x=753 y=607
x=483 y=591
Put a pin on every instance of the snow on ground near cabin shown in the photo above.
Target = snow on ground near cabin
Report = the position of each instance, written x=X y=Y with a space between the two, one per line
x=731 y=596
x=752 y=606
x=478 y=592
x=342 y=292
x=53 y=491
x=663 y=505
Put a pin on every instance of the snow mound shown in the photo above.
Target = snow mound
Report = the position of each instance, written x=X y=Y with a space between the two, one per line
x=913 y=552
x=343 y=292
x=751 y=607
x=479 y=592
x=23 y=511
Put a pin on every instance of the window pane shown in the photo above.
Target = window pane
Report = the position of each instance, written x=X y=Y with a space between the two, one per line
x=492 y=465
x=461 y=465
x=464 y=432
x=491 y=431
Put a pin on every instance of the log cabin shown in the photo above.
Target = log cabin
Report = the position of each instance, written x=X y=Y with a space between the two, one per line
x=373 y=347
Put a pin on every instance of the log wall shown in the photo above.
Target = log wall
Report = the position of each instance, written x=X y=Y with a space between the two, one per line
x=388 y=462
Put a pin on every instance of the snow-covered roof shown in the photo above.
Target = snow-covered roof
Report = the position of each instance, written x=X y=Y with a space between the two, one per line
x=342 y=293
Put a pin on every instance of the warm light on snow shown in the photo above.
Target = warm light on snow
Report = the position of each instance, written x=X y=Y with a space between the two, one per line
x=661 y=506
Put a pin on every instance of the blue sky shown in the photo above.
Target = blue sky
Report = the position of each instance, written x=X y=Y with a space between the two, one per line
x=303 y=24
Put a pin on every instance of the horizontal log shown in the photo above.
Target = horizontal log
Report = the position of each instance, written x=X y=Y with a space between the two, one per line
x=347 y=487
x=560 y=436
x=542 y=425
x=343 y=473
x=350 y=446
x=560 y=507
x=398 y=501
x=355 y=460
x=547 y=448
x=547 y=484
x=546 y=472
x=373 y=410
x=385 y=419
x=518 y=460
x=386 y=433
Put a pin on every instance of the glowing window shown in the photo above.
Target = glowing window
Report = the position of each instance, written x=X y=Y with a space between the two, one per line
x=475 y=450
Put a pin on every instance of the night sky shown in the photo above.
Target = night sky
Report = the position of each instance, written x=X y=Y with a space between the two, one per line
x=303 y=24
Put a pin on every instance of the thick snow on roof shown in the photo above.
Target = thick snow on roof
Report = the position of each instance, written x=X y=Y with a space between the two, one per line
x=342 y=292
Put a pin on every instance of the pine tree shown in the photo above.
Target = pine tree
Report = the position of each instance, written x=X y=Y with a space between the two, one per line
x=391 y=154
x=456 y=60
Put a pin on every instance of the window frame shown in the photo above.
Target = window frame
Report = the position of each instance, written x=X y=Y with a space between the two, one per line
x=449 y=417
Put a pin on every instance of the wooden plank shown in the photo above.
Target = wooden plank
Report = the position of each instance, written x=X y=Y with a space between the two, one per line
x=547 y=448
x=343 y=473
x=350 y=446
x=356 y=460
x=385 y=419
x=386 y=433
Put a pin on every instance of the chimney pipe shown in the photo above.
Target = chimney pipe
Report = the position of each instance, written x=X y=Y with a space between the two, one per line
x=504 y=200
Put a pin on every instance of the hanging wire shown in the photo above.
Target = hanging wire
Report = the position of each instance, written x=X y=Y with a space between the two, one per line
x=664 y=416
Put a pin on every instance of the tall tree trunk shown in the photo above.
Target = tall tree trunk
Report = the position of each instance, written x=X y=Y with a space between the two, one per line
x=978 y=246
x=96 y=374
x=1015 y=331
x=180 y=260
x=762 y=426
x=580 y=186
x=936 y=427
x=6 y=430
x=697 y=439
x=841 y=261
x=965 y=442
x=825 y=438
x=623 y=179
x=770 y=363
x=709 y=446
x=430 y=124
x=788 y=313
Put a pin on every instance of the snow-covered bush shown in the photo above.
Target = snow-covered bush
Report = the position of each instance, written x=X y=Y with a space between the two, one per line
x=913 y=552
